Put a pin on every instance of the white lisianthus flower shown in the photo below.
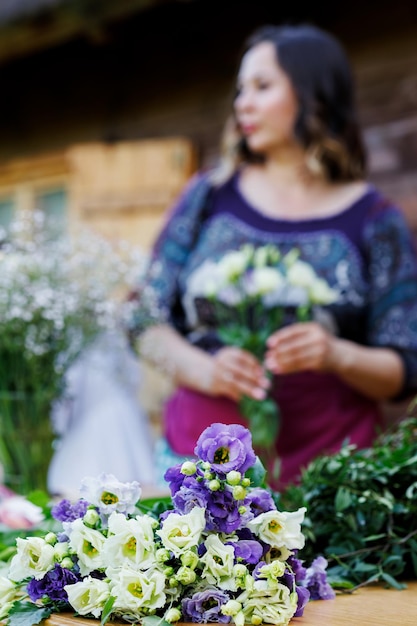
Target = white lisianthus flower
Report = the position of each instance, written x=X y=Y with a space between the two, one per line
x=180 y=533
x=205 y=281
x=301 y=274
x=7 y=596
x=130 y=541
x=321 y=293
x=272 y=571
x=34 y=557
x=88 y=596
x=232 y=265
x=280 y=529
x=88 y=544
x=274 y=605
x=4 y=609
x=265 y=280
x=172 y=616
x=218 y=563
x=135 y=590
x=260 y=256
x=109 y=494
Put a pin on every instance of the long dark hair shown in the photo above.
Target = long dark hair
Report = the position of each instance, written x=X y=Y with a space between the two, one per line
x=327 y=125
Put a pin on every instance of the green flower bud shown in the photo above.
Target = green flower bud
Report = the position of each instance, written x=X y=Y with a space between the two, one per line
x=242 y=510
x=208 y=475
x=245 y=482
x=189 y=559
x=51 y=538
x=91 y=518
x=67 y=563
x=61 y=550
x=232 y=607
x=294 y=598
x=249 y=583
x=173 y=615
x=188 y=468
x=168 y=572
x=277 y=568
x=233 y=477
x=256 y=620
x=214 y=485
x=162 y=555
x=206 y=465
x=240 y=570
x=173 y=582
x=239 y=493
x=185 y=575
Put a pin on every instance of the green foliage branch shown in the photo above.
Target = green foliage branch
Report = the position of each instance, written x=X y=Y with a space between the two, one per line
x=362 y=510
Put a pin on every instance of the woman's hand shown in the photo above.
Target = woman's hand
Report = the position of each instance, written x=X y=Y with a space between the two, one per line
x=236 y=373
x=301 y=347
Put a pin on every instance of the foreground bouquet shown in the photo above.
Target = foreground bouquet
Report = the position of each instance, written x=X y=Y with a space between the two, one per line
x=223 y=553
x=246 y=296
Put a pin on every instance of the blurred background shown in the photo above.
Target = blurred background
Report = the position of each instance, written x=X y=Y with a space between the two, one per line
x=109 y=106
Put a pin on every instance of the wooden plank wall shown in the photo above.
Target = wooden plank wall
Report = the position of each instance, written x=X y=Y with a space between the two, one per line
x=387 y=97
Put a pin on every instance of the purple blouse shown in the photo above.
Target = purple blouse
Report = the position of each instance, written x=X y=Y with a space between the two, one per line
x=365 y=251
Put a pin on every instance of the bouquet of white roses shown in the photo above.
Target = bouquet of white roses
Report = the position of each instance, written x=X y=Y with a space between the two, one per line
x=223 y=553
x=246 y=296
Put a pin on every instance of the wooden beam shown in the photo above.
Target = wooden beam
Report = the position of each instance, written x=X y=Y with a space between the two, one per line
x=56 y=26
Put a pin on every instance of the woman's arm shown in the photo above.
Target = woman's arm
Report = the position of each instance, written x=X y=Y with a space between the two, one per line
x=376 y=372
x=230 y=372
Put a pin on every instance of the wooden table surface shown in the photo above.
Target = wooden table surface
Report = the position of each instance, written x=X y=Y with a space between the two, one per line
x=369 y=606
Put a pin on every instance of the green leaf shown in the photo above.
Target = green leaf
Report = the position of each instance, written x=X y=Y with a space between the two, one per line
x=263 y=420
x=414 y=561
x=392 y=582
x=28 y=614
x=411 y=491
x=155 y=506
x=154 y=620
x=256 y=474
x=343 y=499
x=107 y=610
x=337 y=583
x=7 y=553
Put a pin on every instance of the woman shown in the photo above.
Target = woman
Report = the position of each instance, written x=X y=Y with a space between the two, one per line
x=294 y=176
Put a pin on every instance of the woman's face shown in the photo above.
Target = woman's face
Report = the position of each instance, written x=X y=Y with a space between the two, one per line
x=266 y=105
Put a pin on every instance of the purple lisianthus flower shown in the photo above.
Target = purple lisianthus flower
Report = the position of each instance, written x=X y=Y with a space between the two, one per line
x=226 y=448
x=303 y=596
x=316 y=580
x=296 y=574
x=298 y=568
x=52 y=584
x=247 y=550
x=174 y=478
x=256 y=572
x=259 y=501
x=65 y=511
x=205 y=606
x=191 y=493
x=222 y=512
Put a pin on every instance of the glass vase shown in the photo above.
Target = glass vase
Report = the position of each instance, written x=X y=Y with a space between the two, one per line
x=26 y=439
